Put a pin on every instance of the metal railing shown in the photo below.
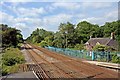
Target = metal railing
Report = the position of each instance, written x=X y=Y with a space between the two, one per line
x=94 y=55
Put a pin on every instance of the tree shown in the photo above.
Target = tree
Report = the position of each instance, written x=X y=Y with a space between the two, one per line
x=43 y=43
x=67 y=33
x=84 y=30
x=100 y=47
x=10 y=36
x=49 y=40
x=69 y=36
x=38 y=35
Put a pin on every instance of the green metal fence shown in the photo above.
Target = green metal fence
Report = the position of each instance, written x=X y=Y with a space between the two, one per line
x=99 y=56
x=73 y=53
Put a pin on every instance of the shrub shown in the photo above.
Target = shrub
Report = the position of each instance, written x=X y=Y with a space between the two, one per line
x=115 y=59
x=10 y=60
x=99 y=47
x=79 y=46
x=9 y=69
x=43 y=43
x=5 y=70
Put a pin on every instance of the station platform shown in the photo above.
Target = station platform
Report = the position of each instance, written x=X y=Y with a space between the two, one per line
x=105 y=64
x=21 y=76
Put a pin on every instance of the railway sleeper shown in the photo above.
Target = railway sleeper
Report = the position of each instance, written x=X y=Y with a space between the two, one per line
x=66 y=70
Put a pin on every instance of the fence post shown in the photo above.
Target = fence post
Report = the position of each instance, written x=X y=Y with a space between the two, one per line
x=93 y=56
x=108 y=56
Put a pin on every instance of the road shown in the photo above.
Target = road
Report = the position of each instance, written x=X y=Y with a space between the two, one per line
x=48 y=65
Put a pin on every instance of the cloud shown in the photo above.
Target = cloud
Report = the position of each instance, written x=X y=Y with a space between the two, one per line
x=69 y=6
x=94 y=20
x=5 y=18
x=107 y=17
x=20 y=26
x=20 y=11
x=18 y=0
x=61 y=0
x=1 y=3
x=112 y=15
x=48 y=22
x=96 y=4
x=31 y=12
x=24 y=28
x=50 y=15
x=55 y=20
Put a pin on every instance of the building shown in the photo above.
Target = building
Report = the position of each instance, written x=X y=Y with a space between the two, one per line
x=103 y=41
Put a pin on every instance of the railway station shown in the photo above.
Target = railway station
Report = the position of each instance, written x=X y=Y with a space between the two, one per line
x=59 y=40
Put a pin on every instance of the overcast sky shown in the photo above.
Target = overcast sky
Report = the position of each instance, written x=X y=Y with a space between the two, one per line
x=27 y=16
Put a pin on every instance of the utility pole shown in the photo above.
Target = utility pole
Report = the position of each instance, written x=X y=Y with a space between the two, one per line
x=66 y=38
x=66 y=41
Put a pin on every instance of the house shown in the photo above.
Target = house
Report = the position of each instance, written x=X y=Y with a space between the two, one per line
x=103 y=41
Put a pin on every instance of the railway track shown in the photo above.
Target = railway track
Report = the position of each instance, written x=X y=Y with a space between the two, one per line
x=57 y=70
x=63 y=67
x=91 y=70
x=36 y=67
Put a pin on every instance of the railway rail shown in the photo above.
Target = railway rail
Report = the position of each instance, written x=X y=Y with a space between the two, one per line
x=36 y=67
x=57 y=70
x=79 y=65
x=62 y=66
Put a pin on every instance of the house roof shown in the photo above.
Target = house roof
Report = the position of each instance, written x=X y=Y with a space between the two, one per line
x=104 y=41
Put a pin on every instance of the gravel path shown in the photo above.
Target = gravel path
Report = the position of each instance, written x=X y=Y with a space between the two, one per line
x=26 y=55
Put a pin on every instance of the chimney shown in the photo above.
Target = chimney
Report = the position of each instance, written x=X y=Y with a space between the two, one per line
x=112 y=35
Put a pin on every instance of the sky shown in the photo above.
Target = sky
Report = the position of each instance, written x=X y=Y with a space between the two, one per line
x=27 y=15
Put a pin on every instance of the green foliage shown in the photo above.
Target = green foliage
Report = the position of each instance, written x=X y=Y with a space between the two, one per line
x=43 y=43
x=38 y=35
x=5 y=70
x=99 y=47
x=115 y=58
x=49 y=40
x=9 y=69
x=12 y=57
x=69 y=36
x=79 y=46
x=110 y=27
x=85 y=29
x=10 y=36
x=66 y=31
x=10 y=60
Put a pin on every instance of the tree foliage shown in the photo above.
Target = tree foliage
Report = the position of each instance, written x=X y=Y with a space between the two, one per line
x=115 y=58
x=43 y=43
x=38 y=35
x=85 y=29
x=71 y=36
x=101 y=48
x=10 y=36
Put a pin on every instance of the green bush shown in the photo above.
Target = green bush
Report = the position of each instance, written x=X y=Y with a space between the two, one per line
x=79 y=46
x=5 y=70
x=9 y=69
x=43 y=43
x=12 y=57
x=10 y=60
x=115 y=59
x=100 y=47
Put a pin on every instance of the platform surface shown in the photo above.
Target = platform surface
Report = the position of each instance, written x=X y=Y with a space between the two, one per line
x=105 y=64
x=21 y=76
